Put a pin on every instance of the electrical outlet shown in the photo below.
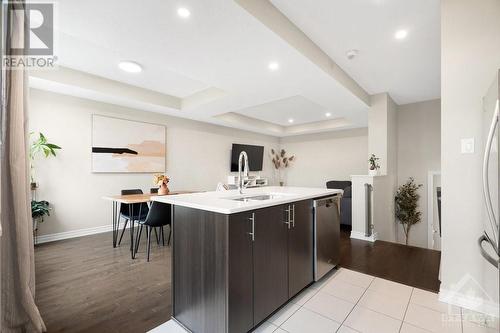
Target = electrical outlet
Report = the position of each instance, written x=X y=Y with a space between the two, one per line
x=467 y=146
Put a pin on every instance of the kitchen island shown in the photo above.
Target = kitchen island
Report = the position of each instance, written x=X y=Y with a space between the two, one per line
x=237 y=258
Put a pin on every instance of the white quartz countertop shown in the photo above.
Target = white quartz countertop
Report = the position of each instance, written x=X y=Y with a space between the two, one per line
x=220 y=201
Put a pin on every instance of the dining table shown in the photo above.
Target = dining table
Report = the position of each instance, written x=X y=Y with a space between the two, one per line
x=130 y=200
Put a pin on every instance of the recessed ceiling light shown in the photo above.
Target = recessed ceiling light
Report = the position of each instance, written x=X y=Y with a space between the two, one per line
x=401 y=34
x=183 y=12
x=273 y=66
x=130 y=66
x=328 y=114
x=290 y=120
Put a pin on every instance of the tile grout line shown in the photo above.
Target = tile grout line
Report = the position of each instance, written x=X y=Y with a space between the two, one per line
x=406 y=310
x=364 y=292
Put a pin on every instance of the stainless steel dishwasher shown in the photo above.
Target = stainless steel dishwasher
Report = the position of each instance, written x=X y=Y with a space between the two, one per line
x=326 y=235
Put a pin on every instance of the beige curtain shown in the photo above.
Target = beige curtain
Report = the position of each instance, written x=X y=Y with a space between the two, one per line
x=18 y=310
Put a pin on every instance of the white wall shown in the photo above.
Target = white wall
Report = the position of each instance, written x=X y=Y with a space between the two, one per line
x=198 y=157
x=326 y=156
x=470 y=37
x=419 y=151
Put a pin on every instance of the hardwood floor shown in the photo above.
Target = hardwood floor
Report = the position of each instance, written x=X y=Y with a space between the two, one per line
x=84 y=285
x=413 y=266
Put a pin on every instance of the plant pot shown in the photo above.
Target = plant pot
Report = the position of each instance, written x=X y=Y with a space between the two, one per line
x=163 y=190
x=282 y=183
x=34 y=186
x=373 y=172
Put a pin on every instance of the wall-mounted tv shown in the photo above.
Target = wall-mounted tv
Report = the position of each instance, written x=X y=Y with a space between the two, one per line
x=255 y=156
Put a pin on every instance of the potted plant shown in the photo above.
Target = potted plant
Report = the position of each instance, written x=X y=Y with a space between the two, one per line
x=281 y=161
x=162 y=181
x=407 y=212
x=374 y=166
x=39 y=209
x=40 y=146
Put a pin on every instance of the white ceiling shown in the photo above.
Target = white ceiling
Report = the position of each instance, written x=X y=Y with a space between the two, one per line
x=223 y=48
x=409 y=70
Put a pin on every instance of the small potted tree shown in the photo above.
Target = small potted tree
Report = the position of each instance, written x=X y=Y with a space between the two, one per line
x=374 y=166
x=407 y=212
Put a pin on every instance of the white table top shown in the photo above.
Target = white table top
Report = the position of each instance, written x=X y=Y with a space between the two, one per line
x=219 y=202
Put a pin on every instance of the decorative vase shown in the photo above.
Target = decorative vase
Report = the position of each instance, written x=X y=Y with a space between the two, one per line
x=163 y=189
x=373 y=172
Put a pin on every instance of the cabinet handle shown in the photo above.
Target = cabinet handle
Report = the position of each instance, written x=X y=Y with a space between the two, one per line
x=288 y=218
x=293 y=215
x=252 y=234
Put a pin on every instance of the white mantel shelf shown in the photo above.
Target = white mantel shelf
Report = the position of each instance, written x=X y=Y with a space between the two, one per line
x=219 y=202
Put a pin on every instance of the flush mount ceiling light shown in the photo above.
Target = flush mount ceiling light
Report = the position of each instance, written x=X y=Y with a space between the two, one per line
x=183 y=12
x=401 y=34
x=290 y=120
x=130 y=67
x=273 y=66
x=328 y=114
x=351 y=54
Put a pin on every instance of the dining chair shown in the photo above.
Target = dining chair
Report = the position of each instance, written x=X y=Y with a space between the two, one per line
x=159 y=216
x=137 y=209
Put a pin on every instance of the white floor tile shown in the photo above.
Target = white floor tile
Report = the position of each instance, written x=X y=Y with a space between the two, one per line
x=469 y=327
x=304 y=296
x=266 y=327
x=283 y=314
x=431 y=320
x=390 y=288
x=407 y=328
x=345 y=329
x=324 y=280
x=431 y=300
x=368 y=321
x=354 y=278
x=329 y=306
x=305 y=320
x=380 y=302
x=481 y=319
x=280 y=330
x=343 y=290
x=169 y=327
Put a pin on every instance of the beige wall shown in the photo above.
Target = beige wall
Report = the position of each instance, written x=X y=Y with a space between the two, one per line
x=326 y=156
x=470 y=37
x=198 y=157
x=419 y=151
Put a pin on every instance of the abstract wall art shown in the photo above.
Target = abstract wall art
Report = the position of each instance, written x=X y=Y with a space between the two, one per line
x=126 y=146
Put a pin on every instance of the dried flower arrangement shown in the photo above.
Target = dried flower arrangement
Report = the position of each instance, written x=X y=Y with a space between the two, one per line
x=281 y=161
x=162 y=181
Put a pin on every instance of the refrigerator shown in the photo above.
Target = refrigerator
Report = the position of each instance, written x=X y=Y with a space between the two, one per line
x=489 y=241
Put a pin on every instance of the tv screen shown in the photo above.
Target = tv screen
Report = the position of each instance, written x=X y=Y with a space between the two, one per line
x=255 y=156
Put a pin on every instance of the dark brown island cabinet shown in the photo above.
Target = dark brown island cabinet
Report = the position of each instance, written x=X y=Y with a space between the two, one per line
x=230 y=272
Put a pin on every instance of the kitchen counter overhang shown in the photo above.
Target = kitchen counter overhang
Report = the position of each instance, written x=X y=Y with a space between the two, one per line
x=227 y=202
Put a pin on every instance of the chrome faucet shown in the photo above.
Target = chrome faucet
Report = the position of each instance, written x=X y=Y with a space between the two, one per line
x=241 y=181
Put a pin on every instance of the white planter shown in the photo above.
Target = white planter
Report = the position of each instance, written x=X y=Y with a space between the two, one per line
x=373 y=172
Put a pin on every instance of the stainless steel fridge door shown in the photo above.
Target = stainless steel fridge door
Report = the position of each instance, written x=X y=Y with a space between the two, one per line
x=326 y=235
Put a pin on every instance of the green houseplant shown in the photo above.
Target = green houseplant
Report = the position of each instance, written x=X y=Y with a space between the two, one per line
x=39 y=209
x=407 y=211
x=40 y=146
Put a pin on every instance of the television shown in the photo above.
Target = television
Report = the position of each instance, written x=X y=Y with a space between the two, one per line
x=255 y=156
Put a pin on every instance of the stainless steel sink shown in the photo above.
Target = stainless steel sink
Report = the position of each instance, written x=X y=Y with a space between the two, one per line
x=259 y=197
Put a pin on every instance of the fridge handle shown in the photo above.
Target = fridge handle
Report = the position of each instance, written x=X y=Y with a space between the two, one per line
x=486 y=187
x=484 y=253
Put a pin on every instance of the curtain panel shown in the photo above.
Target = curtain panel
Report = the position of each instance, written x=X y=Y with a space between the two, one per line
x=19 y=312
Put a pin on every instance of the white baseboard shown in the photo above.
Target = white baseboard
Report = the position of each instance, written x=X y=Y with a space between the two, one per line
x=361 y=236
x=485 y=306
x=75 y=233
